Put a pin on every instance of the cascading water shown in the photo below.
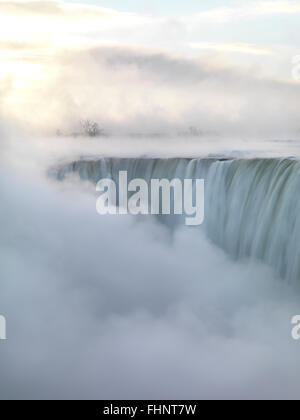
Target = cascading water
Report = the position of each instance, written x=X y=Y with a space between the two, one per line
x=252 y=207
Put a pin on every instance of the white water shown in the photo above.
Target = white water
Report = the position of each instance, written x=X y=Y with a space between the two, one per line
x=252 y=206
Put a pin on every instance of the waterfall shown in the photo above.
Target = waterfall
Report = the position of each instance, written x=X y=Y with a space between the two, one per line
x=252 y=207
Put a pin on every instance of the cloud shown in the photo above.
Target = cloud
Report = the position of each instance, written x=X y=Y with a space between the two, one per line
x=232 y=47
x=55 y=9
x=249 y=10
x=59 y=8
x=29 y=21
x=14 y=45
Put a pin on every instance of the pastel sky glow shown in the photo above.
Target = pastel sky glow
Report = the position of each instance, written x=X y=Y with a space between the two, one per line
x=42 y=39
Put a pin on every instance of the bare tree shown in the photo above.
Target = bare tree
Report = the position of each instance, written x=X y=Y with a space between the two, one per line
x=91 y=128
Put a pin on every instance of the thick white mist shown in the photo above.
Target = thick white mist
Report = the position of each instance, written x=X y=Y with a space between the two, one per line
x=109 y=307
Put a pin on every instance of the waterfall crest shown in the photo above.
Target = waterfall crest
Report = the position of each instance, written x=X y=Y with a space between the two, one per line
x=252 y=207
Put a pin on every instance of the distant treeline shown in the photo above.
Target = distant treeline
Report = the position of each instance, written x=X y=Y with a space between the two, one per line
x=90 y=128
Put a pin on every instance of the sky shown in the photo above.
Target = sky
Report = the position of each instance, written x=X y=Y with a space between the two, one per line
x=55 y=54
